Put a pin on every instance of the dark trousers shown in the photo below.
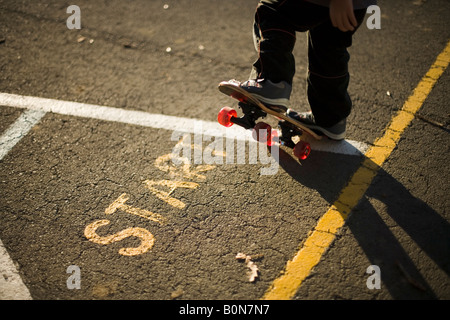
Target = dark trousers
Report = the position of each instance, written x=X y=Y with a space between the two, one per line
x=275 y=27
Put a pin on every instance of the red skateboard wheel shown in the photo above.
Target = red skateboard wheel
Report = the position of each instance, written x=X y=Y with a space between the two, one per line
x=225 y=115
x=274 y=138
x=302 y=150
x=262 y=132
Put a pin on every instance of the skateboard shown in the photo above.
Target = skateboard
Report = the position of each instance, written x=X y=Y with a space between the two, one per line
x=253 y=109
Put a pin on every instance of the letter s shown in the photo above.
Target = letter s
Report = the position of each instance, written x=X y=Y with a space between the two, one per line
x=147 y=239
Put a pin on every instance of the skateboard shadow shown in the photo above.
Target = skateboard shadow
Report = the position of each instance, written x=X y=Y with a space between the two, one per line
x=385 y=201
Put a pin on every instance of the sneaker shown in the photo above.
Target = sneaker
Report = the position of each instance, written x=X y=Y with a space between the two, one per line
x=272 y=94
x=335 y=132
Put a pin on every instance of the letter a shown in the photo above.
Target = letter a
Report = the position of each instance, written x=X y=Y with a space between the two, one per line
x=74 y=280
x=74 y=21
x=374 y=21
x=374 y=281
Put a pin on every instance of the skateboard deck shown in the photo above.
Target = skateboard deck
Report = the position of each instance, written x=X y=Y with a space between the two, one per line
x=254 y=109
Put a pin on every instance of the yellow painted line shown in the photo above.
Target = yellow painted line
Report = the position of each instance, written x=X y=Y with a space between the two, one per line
x=318 y=241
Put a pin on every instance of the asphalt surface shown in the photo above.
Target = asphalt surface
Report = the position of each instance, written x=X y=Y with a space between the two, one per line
x=61 y=177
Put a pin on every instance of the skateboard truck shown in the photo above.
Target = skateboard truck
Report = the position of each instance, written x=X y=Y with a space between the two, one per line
x=301 y=149
x=228 y=116
x=288 y=131
x=262 y=132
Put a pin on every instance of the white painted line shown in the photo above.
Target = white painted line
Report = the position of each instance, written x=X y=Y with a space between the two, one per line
x=347 y=147
x=158 y=121
x=18 y=130
x=139 y=118
x=11 y=284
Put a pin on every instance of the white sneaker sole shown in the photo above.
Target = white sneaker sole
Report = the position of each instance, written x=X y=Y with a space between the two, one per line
x=283 y=102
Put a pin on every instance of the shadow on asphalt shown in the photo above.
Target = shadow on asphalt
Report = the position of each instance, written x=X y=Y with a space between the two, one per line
x=426 y=227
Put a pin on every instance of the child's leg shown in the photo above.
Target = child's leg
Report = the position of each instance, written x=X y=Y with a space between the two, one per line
x=274 y=41
x=276 y=22
x=328 y=76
